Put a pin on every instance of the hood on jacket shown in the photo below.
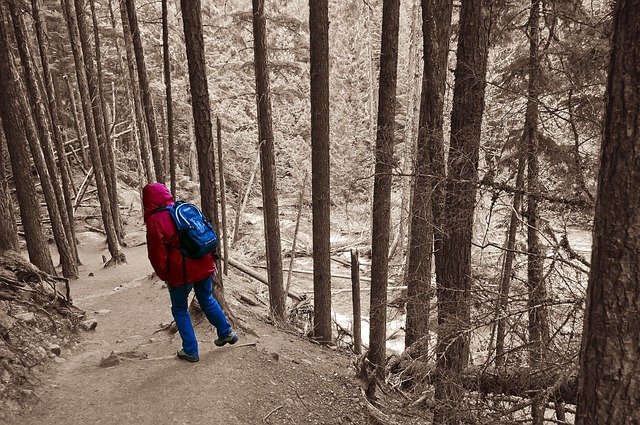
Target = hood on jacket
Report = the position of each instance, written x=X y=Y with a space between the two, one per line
x=154 y=196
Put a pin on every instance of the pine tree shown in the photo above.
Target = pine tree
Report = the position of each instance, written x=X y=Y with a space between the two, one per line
x=320 y=166
x=454 y=298
x=429 y=169
x=268 y=163
x=63 y=162
x=8 y=229
x=145 y=91
x=42 y=152
x=192 y=23
x=14 y=130
x=382 y=186
x=608 y=385
x=103 y=195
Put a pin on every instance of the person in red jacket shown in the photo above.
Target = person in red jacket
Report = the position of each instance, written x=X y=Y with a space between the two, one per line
x=181 y=273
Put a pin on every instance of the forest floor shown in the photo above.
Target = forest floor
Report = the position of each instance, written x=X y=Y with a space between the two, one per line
x=282 y=379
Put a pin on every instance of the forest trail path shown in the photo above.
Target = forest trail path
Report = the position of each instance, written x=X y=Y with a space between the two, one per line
x=282 y=378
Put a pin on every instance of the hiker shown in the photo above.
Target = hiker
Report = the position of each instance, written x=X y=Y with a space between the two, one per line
x=181 y=273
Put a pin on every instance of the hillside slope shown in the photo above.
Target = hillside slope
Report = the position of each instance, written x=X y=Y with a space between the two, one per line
x=282 y=378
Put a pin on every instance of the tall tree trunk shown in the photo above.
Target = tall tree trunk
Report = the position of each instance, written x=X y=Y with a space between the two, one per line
x=268 y=164
x=103 y=195
x=355 y=302
x=8 y=228
x=63 y=162
x=108 y=152
x=608 y=385
x=368 y=12
x=77 y=122
x=167 y=83
x=538 y=326
x=429 y=168
x=14 y=130
x=102 y=132
x=223 y=199
x=418 y=276
x=509 y=257
x=135 y=95
x=99 y=73
x=42 y=151
x=192 y=23
x=460 y=197
x=414 y=75
x=320 y=168
x=382 y=187
x=147 y=101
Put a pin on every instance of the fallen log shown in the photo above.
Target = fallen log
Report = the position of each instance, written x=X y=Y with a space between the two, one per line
x=555 y=384
x=254 y=274
x=336 y=275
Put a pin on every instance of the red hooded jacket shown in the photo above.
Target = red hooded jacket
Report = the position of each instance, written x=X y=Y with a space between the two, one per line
x=163 y=243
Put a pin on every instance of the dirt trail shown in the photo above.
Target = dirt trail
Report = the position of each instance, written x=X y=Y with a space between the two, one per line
x=282 y=378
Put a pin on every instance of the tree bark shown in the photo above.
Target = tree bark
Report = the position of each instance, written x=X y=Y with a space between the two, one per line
x=460 y=197
x=414 y=75
x=147 y=101
x=429 y=169
x=382 y=186
x=295 y=231
x=243 y=203
x=14 y=130
x=115 y=250
x=102 y=131
x=320 y=168
x=509 y=257
x=537 y=292
x=77 y=121
x=355 y=299
x=223 y=199
x=107 y=152
x=135 y=94
x=40 y=145
x=268 y=164
x=608 y=385
x=192 y=22
x=167 y=83
x=108 y=125
x=63 y=162
x=8 y=228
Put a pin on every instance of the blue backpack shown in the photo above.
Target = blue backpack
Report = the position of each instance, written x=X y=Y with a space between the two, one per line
x=197 y=237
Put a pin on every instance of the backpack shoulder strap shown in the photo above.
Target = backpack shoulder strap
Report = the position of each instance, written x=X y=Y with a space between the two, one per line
x=157 y=210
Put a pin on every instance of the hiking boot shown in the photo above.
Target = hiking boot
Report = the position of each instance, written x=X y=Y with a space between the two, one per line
x=184 y=356
x=231 y=338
